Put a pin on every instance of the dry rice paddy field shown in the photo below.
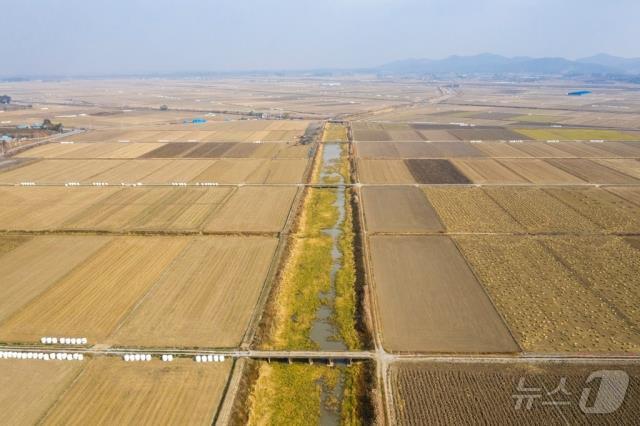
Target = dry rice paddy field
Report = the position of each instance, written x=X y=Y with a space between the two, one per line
x=443 y=394
x=134 y=291
x=158 y=171
x=160 y=209
x=108 y=391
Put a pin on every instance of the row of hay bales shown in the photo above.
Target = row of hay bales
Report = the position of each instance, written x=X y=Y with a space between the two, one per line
x=45 y=356
x=63 y=340
x=209 y=358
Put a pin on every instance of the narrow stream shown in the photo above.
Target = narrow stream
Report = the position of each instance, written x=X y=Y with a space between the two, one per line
x=324 y=332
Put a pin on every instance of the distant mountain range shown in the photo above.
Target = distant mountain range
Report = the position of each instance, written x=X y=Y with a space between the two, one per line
x=495 y=64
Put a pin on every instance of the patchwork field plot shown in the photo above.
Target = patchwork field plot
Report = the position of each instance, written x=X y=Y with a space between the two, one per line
x=371 y=135
x=537 y=211
x=163 y=209
x=160 y=209
x=151 y=291
x=110 y=391
x=626 y=166
x=530 y=286
x=401 y=209
x=377 y=150
x=21 y=268
x=437 y=150
x=45 y=208
x=470 y=210
x=576 y=134
x=610 y=267
x=435 y=171
x=436 y=135
x=486 y=133
x=586 y=149
x=384 y=171
x=29 y=388
x=265 y=210
x=159 y=171
x=631 y=193
x=540 y=171
x=218 y=150
x=501 y=150
x=488 y=171
x=231 y=131
x=59 y=171
x=205 y=299
x=542 y=149
x=430 y=301
x=592 y=172
x=91 y=150
x=622 y=149
x=94 y=297
x=601 y=207
x=441 y=394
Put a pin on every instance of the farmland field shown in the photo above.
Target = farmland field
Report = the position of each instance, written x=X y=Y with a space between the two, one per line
x=402 y=209
x=537 y=211
x=470 y=210
x=439 y=394
x=120 y=272
x=29 y=388
x=592 y=172
x=435 y=171
x=178 y=291
x=530 y=286
x=265 y=210
x=21 y=269
x=576 y=134
x=384 y=171
x=430 y=301
x=110 y=391
x=487 y=171
x=210 y=209
x=540 y=171
x=205 y=299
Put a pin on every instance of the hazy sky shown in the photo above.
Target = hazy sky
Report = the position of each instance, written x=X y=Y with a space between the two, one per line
x=127 y=36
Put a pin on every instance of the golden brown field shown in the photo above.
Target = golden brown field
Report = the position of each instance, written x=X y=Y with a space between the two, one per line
x=531 y=287
x=205 y=299
x=28 y=388
x=110 y=391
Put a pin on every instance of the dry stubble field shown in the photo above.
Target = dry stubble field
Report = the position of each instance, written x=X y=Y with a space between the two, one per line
x=561 y=294
x=109 y=391
x=444 y=394
x=160 y=209
x=135 y=291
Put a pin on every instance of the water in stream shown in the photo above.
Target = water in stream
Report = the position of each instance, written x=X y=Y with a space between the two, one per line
x=324 y=332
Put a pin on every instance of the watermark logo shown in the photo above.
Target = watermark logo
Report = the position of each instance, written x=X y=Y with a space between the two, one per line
x=603 y=392
x=611 y=392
